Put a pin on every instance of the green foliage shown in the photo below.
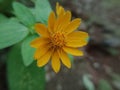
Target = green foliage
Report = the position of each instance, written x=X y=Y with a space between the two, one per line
x=24 y=14
x=3 y=18
x=113 y=51
x=71 y=57
x=11 y=33
x=115 y=76
x=116 y=79
x=28 y=51
x=16 y=29
x=42 y=10
x=21 y=77
x=88 y=83
x=111 y=4
x=5 y=5
x=104 y=85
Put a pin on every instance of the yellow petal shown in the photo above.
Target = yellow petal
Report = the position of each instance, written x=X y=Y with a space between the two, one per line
x=73 y=51
x=38 y=42
x=51 y=21
x=78 y=35
x=72 y=26
x=65 y=20
x=58 y=22
x=55 y=62
x=41 y=29
x=64 y=58
x=77 y=39
x=41 y=51
x=74 y=43
x=44 y=59
x=62 y=21
x=59 y=9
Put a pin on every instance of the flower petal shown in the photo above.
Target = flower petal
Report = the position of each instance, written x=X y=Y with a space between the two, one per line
x=39 y=41
x=59 y=9
x=64 y=58
x=58 y=22
x=62 y=21
x=51 y=21
x=72 y=26
x=55 y=62
x=65 y=20
x=78 y=35
x=44 y=59
x=74 y=43
x=41 y=29
x=41 y=51
x=77 y=39
x=73 y=51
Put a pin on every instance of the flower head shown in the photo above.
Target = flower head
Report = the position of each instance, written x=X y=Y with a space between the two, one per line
x=58 y=39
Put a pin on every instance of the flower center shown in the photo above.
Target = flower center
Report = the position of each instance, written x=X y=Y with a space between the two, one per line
x=58 y=40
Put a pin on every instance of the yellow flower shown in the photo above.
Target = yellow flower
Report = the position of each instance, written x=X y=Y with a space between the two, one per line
x=57 y=39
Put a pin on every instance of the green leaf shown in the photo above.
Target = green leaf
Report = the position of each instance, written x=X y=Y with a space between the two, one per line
x=24 y=14
x=28 y=51
x=104 y=85
x=11 y=33
x=88 y=83
x=115 y=79
x=3 y=18
x=21 y=77
x=5 y=5
x=14 y=19
x=71 y=57
x=42 y=10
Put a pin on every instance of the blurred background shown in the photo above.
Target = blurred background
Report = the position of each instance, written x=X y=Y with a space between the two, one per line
x=99 y=68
